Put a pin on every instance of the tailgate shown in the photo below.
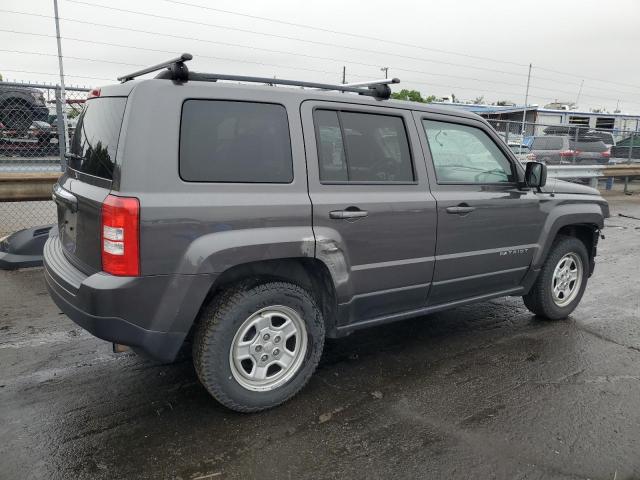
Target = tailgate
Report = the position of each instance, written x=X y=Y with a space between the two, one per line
x=81 y=191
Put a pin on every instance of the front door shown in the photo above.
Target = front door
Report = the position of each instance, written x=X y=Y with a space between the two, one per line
x=374 y=219
x=488 y=228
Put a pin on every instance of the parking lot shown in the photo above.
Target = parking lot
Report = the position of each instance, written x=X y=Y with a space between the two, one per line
x=483 y=391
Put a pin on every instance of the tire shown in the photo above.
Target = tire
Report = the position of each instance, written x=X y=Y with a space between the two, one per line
x=17 y=115
x=236 y=319
x=541 y=299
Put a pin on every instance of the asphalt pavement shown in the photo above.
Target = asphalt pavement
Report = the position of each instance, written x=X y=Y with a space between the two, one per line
x=479 y=392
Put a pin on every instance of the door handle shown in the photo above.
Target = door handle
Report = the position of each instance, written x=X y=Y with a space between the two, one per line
x=460 y=209
x=348 y=213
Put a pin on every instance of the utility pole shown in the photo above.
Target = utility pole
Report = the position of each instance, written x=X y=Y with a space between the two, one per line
x=344 y=74
x=579 y=93
x=63 y=97
x=386 y=71
x=524 y=111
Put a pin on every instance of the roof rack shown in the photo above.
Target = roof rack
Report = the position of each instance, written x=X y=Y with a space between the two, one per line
x=176 y=66
x=177 y=71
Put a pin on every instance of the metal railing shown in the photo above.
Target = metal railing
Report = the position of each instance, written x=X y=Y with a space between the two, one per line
x=32 y=142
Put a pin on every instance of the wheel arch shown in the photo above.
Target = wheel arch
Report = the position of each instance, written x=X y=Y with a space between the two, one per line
x=307 y=272
x=582 y=221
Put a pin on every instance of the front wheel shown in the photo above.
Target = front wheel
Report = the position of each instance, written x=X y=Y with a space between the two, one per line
x=257 y=346
x=562 y=280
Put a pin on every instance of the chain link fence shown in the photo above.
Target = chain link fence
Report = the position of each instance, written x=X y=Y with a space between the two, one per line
x=569 y=144
x=32 y=141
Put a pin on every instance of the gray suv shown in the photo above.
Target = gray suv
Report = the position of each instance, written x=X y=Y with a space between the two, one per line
x=561 y=149
x=257 y=221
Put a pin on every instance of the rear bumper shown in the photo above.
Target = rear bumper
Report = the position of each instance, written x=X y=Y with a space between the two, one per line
x=153 y=313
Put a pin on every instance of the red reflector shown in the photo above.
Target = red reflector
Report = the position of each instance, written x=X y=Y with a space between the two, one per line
x=94 y=92
x=120 y=242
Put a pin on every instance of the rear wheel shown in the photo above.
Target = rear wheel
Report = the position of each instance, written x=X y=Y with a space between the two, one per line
x=257 y=346
x=562 y=280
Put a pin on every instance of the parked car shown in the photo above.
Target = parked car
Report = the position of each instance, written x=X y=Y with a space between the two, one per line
x=258 y=221
x=20 y=107
x=554 y=150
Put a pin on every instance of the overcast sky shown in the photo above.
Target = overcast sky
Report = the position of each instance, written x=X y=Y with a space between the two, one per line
x=471 y=48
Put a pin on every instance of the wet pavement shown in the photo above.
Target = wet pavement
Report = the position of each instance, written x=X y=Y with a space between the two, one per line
x=483 y=391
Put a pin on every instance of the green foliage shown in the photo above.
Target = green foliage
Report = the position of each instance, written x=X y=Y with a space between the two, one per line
x=503 y=103
x=478 y=100
x=412 y=96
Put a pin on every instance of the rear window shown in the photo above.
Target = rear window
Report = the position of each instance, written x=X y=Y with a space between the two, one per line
x=227 y=141
x=547 y=143
x=95 y=140
x=588 y=146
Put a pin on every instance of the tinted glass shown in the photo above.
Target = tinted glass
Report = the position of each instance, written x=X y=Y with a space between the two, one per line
x=539 y=143
x=362 y=147
x=223 y=141
x=333 y=166
x=463 y=154
x=95 y=140
x=586 y=146
x=554 y=143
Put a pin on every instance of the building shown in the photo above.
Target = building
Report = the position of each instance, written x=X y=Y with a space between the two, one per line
x=616 y=123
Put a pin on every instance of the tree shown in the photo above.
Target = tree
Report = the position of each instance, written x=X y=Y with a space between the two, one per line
x=478 y=100
x=453 y=98
x=412 y=96
x=504 y=103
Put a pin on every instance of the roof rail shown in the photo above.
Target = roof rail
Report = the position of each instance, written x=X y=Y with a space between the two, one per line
x=178 y=71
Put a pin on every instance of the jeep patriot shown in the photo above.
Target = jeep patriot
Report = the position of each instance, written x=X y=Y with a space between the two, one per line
x=256 y=221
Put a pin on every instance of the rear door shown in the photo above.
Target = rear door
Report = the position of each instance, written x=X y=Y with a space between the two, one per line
x=373 y=216
x=91 y=168
x=487 y=228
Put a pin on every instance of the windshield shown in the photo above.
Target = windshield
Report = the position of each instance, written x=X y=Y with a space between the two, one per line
x=94 y=144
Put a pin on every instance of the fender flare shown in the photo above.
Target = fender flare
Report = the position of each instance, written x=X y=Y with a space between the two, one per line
x=562 y=216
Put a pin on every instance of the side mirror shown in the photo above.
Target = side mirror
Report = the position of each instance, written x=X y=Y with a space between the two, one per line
x=535 y=174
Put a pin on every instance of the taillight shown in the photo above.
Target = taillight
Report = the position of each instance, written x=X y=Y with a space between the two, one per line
x=121 y=236
x=569 y=153
x=94 y=92
x=606 y=154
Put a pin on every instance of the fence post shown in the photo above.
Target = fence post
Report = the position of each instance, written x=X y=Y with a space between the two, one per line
x=626 y=179
x=62 y=134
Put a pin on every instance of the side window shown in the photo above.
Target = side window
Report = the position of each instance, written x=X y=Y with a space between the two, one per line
x=331 y=156
x=227 y=141
x=463 y=154
x=362 y=147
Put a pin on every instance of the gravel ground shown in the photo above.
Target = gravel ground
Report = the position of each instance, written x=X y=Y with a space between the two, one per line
x=483 y=391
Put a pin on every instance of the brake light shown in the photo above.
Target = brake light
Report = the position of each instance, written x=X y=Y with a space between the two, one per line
x=121 y=236
x=569 y=153
x=94 y=92
x=606 y=154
